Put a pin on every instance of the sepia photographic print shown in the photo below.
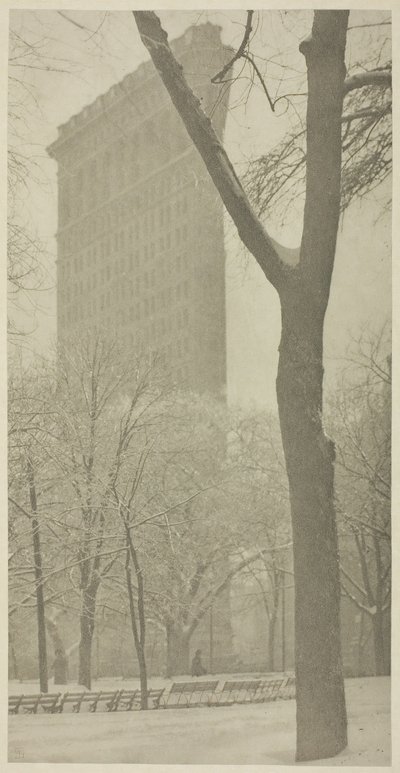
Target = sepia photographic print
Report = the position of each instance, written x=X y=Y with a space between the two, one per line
x=199 y=369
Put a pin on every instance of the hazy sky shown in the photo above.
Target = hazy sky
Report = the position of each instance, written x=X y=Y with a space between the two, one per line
x=88 y=63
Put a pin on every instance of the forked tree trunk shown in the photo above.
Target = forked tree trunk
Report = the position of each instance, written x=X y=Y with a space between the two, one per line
x=309 y=455
x=177 y=651
x=304 y=294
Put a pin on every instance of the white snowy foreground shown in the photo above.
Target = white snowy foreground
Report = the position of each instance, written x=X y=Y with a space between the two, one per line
x=262 y=734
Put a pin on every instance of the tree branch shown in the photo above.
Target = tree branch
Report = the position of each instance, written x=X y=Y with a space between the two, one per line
x=200 y=130
x=210 y=597
x=371 y=78
x=218 y=78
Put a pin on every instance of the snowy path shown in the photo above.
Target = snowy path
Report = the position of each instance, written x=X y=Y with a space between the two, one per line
x=252 y=734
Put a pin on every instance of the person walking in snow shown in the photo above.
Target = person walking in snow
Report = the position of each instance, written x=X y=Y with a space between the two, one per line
x=197 y=666
x=60 y=667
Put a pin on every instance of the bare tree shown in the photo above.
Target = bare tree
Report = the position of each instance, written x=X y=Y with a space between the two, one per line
x=265 y=518
x=27 y=423
x=26 y=252
x=361 y=422
x=279 y=176
x=96 y=392
x=304 y=293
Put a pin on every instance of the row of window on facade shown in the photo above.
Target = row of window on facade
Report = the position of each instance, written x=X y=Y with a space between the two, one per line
x=150 y=308
x=122 y=165
x=125 y=285
x=127 y=108
x=125 y=218
x=120 y=292
x=107 y=249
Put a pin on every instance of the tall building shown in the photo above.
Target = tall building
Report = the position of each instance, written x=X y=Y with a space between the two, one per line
x=140 y=237
x=140 y=225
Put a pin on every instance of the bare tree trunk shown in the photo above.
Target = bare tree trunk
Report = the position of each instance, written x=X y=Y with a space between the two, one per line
x=309 y=454
x=381 y=668
x=139 y=643
x=177 y=651
x=86 y=639
x=139 y=631
x=271 y=642
x=361 y=645
x=40 y=603
x=14 y=661
x=304 y=294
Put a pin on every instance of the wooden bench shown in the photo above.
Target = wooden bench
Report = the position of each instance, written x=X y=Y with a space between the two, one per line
x=154 y=696
x=76 y=698
x=105 y=700
x=186 y=694
x=93 y=699
x=14 y=702
x=131 y=699
x=269 y=690
x=31 y=703
x=48 y=702
x=126 y=699
x=289 y=688
x=238 y=691
x=27 y=703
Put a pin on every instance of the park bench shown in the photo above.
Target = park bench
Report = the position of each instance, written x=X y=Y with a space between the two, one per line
x=269 y=690
x=289 y=688
x=75 y=698
x=126 y=699
x=91 y=699
x=27 y=703
x=186 y=694
x=31 y=703
x=130 y=699
x=48 y=702
x=238 y=691
x=14 y=702
x=154 y=696
x=105 y=700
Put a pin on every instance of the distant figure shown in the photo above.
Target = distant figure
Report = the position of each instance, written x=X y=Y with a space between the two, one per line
x=60 y=667
x=197 y=666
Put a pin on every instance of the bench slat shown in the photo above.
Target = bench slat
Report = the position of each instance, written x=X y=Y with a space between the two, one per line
x=14 y=702
x=49 y=701
x=238 y=691
x=187 y=690
x=269 y=690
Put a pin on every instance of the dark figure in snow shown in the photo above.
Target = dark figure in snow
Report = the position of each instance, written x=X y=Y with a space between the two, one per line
x=60 y=667
x=197 y=666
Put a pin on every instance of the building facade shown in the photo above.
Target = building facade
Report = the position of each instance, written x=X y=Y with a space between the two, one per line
x=140 y=240
x=140 y=225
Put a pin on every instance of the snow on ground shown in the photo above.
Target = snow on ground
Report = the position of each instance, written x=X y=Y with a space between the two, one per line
x=247 y=734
